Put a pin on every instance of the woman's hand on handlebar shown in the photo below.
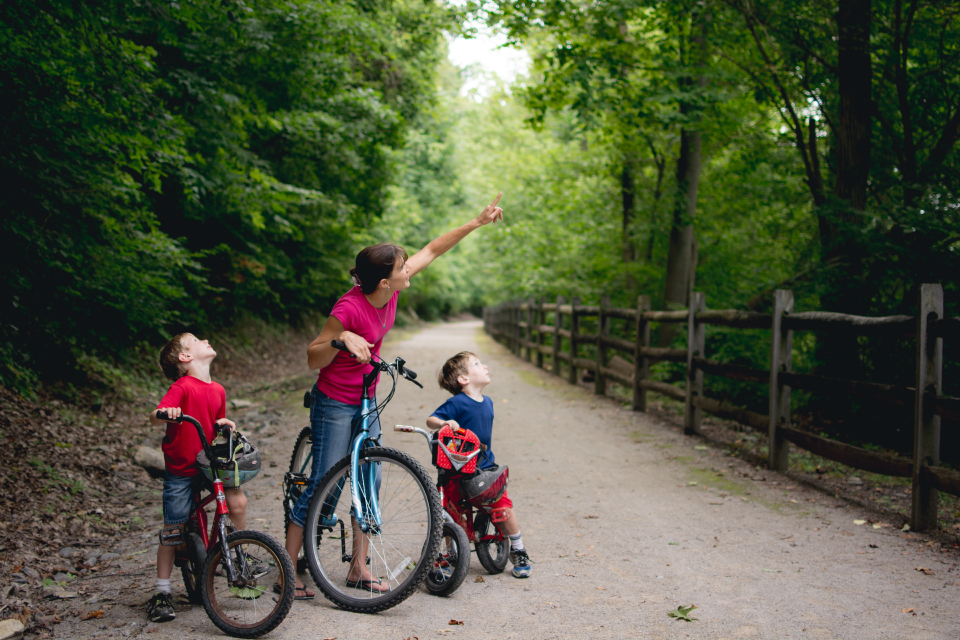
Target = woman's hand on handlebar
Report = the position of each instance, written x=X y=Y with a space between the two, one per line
x=357 y=346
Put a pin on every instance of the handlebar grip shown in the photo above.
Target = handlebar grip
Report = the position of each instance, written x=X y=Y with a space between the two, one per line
x=404 y=428
x=338 y=344
x=410 y=374
x=162 y=415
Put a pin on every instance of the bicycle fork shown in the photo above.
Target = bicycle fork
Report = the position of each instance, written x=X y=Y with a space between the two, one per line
x=369 y=518
x=223 y=511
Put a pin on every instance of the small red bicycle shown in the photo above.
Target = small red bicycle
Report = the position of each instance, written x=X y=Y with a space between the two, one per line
x=244 y=579
x=467 y=513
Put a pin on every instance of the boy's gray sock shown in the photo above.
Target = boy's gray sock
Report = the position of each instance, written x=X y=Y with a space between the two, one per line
x=516 y=542
x=163 y=586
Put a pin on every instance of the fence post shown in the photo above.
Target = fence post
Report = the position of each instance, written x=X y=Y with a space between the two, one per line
x=926 y=425
x=603 y=328
x=557 y=324
x=781 y=360
x=574 y=337
x=696 y=336
x=641 y=366
x=538 y=318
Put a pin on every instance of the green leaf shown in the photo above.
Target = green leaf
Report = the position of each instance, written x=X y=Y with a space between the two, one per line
x=683 y=613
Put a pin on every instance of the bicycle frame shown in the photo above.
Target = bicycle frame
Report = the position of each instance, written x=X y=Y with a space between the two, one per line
x=464 y=518
x=370 y=522
x=218 y=533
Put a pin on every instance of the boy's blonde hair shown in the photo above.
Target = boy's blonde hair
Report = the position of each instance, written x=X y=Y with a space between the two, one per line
x=453 y=369
x=170 y=363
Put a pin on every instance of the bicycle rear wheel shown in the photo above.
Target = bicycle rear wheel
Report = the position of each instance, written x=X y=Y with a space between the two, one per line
x=251 y=606
x=301 y=461
x=398 y=553
x=452 y=563
x=492 y=554
x=192 y=569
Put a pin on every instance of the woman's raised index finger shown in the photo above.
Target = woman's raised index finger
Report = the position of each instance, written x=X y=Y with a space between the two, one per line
x=497 y=199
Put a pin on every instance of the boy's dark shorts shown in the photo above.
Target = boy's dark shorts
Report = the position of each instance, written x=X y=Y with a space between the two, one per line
x=178 y=496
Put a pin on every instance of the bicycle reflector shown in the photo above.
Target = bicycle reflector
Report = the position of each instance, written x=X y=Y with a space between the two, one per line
x=457 y=449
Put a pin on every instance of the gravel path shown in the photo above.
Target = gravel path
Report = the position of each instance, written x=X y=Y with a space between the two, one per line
x=625 y=520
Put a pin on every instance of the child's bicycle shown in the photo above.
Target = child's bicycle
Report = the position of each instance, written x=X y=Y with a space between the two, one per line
x=244 y=579
x=468 y=516
x=376 y=503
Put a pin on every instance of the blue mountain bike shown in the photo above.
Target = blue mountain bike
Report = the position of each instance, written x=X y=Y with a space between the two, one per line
x=377 y=505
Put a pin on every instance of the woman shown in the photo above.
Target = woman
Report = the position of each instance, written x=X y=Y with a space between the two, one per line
x=360 y=319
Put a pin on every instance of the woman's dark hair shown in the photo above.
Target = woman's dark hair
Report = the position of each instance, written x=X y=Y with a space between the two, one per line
x=376 y=263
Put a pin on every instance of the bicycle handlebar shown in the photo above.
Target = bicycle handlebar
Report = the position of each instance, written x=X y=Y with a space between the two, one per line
x=400 y=363
x=162 y=415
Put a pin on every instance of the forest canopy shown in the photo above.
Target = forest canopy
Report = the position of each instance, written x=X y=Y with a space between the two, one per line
x=175 y=165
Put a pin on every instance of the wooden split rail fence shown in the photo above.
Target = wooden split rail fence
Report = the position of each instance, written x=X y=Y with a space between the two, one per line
x=524 y=326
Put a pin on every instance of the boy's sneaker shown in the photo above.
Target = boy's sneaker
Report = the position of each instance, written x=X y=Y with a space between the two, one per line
x=160 y=608
x=521 y=563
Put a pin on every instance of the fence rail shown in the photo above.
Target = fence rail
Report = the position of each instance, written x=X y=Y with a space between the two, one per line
x=523 y=325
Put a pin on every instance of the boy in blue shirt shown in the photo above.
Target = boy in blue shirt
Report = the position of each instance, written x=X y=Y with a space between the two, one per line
x=465 y=376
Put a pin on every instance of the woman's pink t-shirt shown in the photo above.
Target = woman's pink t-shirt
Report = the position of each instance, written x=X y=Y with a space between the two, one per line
x=342 y=378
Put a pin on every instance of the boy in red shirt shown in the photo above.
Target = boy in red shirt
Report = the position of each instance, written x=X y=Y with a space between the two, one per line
x=186 y=360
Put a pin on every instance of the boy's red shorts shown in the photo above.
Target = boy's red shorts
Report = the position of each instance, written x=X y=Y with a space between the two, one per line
x=451 y=493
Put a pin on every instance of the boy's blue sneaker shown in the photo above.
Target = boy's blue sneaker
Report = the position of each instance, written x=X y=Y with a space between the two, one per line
x=521 y=563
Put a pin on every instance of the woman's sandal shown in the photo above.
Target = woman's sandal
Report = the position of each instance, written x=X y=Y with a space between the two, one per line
x=307 y=594
x=366 y=584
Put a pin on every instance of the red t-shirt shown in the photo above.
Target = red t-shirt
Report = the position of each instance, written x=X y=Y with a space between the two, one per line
x=342 y=378
x=205 y=401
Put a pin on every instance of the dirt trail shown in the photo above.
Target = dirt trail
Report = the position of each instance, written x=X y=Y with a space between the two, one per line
x=625 y=520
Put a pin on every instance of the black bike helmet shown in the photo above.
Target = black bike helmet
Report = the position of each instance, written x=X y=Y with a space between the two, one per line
x=243 y=468
x=486 y=487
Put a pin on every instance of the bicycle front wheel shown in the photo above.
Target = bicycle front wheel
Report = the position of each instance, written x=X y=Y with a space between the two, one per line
x=452 y=563
x=250 y=606
x=397 y=553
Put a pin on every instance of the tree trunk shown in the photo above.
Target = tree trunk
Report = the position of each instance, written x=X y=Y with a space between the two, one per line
x=682 y=255
x=855 y=77
x=627 y=196
x=840 y=250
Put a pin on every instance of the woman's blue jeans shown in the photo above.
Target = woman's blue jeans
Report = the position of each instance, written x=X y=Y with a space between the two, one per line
x=332 y=423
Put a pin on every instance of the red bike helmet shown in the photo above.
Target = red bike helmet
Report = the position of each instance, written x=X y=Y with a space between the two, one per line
x=485 y=488
x=457 y=449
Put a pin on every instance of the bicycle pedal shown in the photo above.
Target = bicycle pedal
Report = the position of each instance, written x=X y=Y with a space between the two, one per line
x=172 y=535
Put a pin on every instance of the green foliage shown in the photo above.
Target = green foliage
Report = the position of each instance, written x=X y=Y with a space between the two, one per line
x=177 y=164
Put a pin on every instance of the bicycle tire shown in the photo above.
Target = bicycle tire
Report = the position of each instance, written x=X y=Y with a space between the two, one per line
x=192 y=571
x=302 y=451
x=493 y=555
x=236 y=610
x=402 y=551
x=450 y=569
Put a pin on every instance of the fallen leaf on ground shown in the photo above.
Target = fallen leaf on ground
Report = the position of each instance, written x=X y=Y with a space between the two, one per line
x=90 y=615
x=683 y=613
x=925 y=571
x=601 y=588
x=590 y=517
x=455 y=622
x=771 y=571
x=859 y=522
x=479 y=579
x=908 y=610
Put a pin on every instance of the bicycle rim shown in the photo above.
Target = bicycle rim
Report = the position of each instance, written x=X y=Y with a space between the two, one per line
x=398 y=554
x=301 y=461
x=250 y=607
